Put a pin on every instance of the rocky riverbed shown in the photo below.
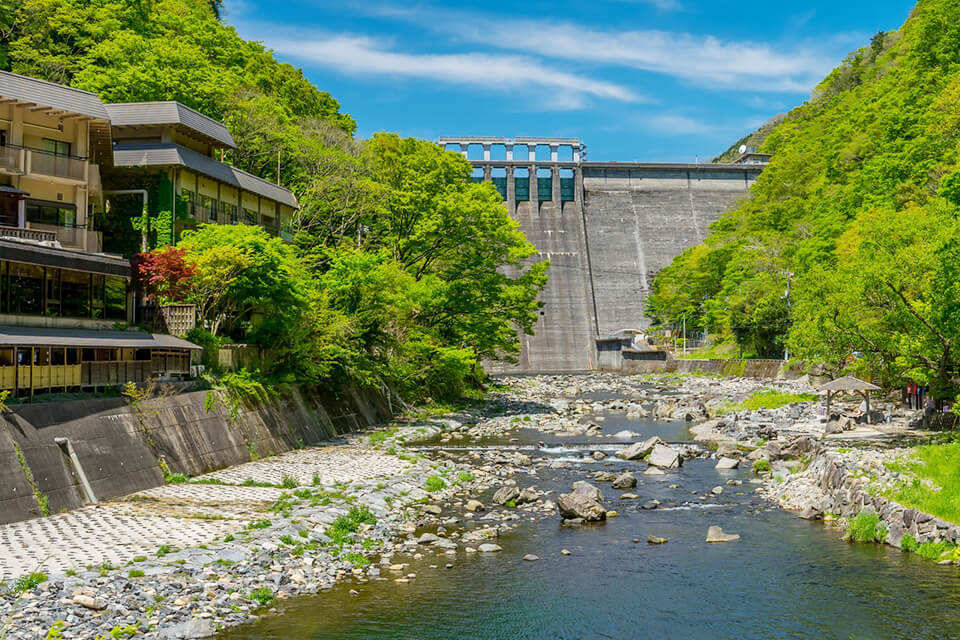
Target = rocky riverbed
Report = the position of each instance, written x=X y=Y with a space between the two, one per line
x=365 y=509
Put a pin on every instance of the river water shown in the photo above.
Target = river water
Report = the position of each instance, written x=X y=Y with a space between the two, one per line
x=785 y=578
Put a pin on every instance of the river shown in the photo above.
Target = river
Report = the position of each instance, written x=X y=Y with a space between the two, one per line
x=785 y=578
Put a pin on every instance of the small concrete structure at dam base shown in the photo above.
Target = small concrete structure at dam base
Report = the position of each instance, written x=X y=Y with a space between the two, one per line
x=607 y=228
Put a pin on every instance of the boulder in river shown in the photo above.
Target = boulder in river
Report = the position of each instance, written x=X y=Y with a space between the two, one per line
x=582 y=503
x=625 y=480
x=639 y=449
x=664 y=457
x=727 y=463
x=656 y=540
x=598 y=455
x=626 y=434
x=489 y=547
x=506 y=494
x=716 y=534
x=474 y=505
x=527 y=495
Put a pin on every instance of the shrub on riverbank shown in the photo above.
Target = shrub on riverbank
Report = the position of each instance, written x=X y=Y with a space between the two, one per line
x=933 y=483
x=866 y=527
x=908 y=543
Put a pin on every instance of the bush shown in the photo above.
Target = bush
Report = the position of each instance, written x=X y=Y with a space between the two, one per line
x=761 y=466
x=357 y=559
x=263 y=595
x=435 y=483
x=866 y=527
x=908 y=543
x=287 y=481
x=341 y=528
x=933 y=550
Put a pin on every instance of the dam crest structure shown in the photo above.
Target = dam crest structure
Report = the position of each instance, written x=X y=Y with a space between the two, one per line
x=607 y=228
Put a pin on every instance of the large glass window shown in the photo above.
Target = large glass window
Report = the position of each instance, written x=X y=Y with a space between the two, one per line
x=96 y=297
x=75 y=286
x=115 y=295
x=249 y=216
x=26 y=288
x=57 y=147
x=53 y=292
x=55 y=214
x=191 y=199
x=209 y=207
x=229 y=212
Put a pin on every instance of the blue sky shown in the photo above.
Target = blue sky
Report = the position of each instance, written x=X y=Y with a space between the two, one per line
x=647 y=80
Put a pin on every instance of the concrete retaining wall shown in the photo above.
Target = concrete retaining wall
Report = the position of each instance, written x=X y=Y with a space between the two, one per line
x=194 y=432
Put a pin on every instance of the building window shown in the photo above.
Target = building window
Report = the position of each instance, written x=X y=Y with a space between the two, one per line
x=56 y=147
x=51 y=213
x=208 y=207
x=249 y=216
x=229 y=212
x=191 y=199
x=3 y=137
x=26 y=288
x=75 y=287
x=53 y=292
x=115 y=298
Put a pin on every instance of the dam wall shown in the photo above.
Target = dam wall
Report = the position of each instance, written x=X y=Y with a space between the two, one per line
x=607 y=228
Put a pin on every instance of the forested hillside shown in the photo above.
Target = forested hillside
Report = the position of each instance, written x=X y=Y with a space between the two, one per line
x=395 y=273
x=849 y=246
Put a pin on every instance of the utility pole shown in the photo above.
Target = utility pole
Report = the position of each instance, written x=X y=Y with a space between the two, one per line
x=786 y=349
x=684 y=333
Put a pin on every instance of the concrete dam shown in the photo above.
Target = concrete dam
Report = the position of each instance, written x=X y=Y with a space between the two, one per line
x=607 y=229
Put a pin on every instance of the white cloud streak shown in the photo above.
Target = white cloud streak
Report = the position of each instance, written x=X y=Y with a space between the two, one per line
x=363 y=55
x=705 y=61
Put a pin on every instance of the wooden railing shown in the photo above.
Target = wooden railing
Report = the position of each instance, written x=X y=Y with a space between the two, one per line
x=175 y=319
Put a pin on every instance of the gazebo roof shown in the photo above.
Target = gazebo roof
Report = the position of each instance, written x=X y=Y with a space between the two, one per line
x=849 y=383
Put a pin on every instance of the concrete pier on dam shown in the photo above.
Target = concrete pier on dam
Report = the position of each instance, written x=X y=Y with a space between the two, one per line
x=607 y=229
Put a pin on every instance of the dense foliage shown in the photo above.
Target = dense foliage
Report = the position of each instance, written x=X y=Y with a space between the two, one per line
x=142 y=50
x=397 y=276
x=847 y=252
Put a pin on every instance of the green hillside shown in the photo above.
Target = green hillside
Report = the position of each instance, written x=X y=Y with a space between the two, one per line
x=855 y=216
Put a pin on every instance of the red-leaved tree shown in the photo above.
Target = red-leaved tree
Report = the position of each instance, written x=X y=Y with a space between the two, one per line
x=164 y=275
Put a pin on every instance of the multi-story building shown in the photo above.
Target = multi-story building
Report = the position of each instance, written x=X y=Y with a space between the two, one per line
x=176 y=149
x=64 y=157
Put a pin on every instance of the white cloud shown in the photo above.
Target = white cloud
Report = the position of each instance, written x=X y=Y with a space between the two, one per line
x=662 y=5
x=673 y=124
x=705 y=61
x=363 y=55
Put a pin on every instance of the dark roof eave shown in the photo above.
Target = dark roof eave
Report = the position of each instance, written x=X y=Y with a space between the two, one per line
x=64 y=259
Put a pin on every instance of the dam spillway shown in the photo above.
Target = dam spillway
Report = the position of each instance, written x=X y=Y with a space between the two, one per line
x=607 y=228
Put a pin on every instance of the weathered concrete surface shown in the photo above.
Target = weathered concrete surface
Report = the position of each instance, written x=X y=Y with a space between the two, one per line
x=180 y=515
x=629 y=221
x=195 y=432
x=638 y=219
x=563 y=339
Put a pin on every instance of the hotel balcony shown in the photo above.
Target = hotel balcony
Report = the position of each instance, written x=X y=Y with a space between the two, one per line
x=34 y=162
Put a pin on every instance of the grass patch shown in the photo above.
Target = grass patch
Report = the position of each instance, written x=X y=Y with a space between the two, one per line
x=135 y=573
x=28 y=582
x=263 y=595
x=343 y=527
x=435 y=483
x=866 y=527
x=357 y=559
x=766 y=399
x=259 y=524
x=464 y=476
x=379 y=437
x=163 y=550
x=934 y=550
x=761 y=466
x=288 y=482
x=908 y=543
x=935 y=483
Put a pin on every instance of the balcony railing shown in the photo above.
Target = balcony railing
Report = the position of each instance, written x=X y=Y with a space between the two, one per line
x=11 y=159
x=51 y=164
x=75 y=236
x=27 y=234
x=24 y=161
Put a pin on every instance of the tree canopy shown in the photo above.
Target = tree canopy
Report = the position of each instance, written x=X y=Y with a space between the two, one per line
x=856 y=216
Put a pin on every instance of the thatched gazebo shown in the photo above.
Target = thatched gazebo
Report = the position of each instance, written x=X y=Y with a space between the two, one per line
x=849 y=383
